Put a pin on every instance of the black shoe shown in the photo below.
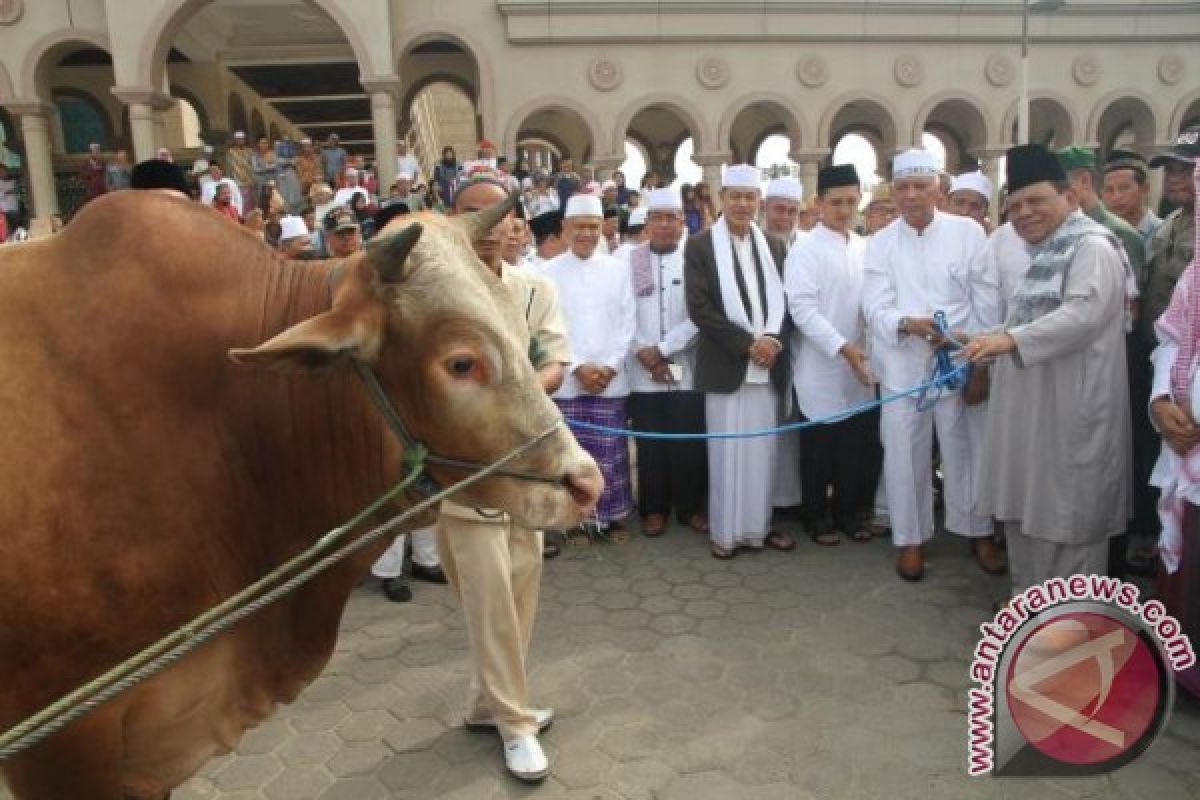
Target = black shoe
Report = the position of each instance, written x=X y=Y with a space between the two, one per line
x=433 y=574
x=550 y=550
x=396 y=590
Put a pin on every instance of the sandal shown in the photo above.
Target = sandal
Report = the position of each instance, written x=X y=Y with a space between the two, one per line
x=721 y=553
x=654 y=525
x=861 y=535
x=826 y=538
x=615 y=532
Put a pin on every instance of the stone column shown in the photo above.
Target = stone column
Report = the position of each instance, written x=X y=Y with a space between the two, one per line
x=990 y=161
x=39 y=157
x=711 y=164
x=145 y=126
x=384 y=90
x=606 y=165
x=810 y=165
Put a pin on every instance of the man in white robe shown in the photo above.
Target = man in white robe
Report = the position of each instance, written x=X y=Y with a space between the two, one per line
x=924 y=262
x=1057 y=453
x=735 y=296
x=672 y=474
x=823 y=278
x=596 y=293
x=781 y=214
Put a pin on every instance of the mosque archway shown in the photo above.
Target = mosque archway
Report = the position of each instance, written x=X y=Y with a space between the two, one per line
x=750 y=121
x=558 y=120
x=869 y=116
x=1187 y=114
x=665 y=128
x=1051 y=122
x=1123 y=120
x=960 y=125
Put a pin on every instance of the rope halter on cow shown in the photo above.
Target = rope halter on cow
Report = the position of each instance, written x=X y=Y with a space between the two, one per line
x=424 y=482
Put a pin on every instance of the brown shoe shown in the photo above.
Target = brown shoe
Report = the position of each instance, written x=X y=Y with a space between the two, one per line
x=779 y=541
x=910 y=563
x=698 y=522
x=989 y=556
x=654 y=524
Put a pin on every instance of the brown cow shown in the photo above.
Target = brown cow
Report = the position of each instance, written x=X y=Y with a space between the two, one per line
x=145 y=477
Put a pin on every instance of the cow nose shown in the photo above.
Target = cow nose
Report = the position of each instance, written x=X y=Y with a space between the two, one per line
x=585 y=483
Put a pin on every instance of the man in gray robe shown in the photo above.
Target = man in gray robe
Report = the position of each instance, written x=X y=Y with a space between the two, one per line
x=1057 y=449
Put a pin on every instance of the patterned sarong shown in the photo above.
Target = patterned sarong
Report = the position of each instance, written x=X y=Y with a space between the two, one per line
x=611 y=452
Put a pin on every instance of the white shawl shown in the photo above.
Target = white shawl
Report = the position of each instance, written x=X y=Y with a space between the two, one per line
x=731 y=297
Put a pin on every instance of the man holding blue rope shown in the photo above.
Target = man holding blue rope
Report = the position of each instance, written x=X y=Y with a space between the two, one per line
x=1057 y=451
x=924 y=262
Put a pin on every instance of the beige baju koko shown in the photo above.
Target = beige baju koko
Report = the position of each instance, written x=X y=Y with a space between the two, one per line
x=495 y=565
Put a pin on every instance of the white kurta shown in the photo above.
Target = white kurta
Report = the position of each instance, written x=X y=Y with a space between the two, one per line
x=1008 y=258
x=913 y=274
x=663 y=321
x=823 y=278
x=1058 y=447
x=597 y=302
x=1174 y=482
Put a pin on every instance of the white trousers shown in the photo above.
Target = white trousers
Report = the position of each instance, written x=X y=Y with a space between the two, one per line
x=425 y=553
x=908 y=469
x=741 y=471
x=786 y=490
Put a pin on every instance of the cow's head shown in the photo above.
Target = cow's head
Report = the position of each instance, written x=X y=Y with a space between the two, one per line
x=451 y=349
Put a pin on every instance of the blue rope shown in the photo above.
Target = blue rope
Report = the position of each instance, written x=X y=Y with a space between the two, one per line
x=939 y=380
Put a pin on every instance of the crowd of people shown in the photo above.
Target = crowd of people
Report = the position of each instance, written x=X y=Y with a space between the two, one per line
x=1073 y=330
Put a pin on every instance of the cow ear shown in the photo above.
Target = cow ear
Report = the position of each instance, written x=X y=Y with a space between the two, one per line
x=389 y=254
x=316 y=343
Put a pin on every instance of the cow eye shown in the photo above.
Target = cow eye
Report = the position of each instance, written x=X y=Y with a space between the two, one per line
x=461 y=366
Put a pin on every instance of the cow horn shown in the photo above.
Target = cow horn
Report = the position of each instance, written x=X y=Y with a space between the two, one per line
x=388 y=255
x=478 y=223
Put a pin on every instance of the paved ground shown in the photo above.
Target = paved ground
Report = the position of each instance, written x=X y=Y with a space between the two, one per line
x=815 y=674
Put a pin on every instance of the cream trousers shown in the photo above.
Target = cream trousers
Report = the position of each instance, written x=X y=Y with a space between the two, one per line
x=495 y=568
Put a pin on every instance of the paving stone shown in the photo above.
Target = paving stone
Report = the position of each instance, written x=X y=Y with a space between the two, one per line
x=358 y=759
x=660 y=604
x=248 y=772
x=357 y=789
x=798 y=676
x=896 y=668
x=312 y=747
x=299 y=783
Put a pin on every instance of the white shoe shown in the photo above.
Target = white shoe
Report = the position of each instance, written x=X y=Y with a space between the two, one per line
x=524 y=759
x=544 y=717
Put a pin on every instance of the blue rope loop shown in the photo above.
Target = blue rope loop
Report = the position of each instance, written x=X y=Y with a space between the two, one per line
x=937 y=382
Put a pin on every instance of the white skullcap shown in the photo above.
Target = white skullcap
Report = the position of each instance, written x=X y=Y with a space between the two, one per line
x=306 y=140
x=664 y=200
x=583 y=205
x=604 y=187
x=975 y=181
x=915 y=162
x=786 y=188
x=292 y=227
x=351 y=171
x=405 y=175
x=741 y=176
x=637 y=216
x=239 y=134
